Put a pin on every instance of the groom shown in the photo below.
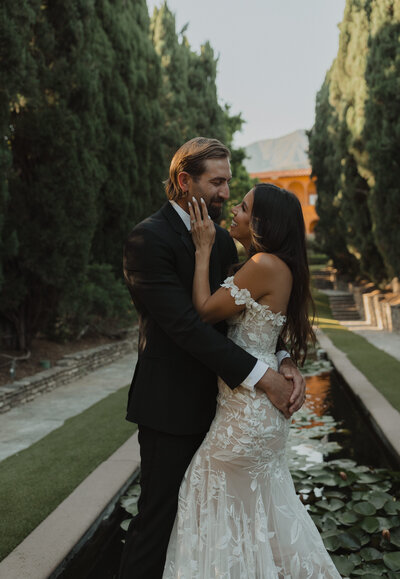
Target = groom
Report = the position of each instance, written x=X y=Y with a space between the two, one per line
x=173 y=392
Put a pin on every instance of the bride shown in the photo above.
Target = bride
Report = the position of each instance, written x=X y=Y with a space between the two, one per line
x=238 y=514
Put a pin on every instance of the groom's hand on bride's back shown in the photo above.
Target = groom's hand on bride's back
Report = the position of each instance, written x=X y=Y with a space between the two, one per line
x=285 y=389
x=290 y=371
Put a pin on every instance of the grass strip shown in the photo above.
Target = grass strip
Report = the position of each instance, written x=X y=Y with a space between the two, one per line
x=381 y=369
x=36 y=480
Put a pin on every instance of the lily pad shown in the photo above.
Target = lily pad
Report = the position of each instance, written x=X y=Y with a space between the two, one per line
x=370 y=554
x=364 y=508
x=331 y=543
x=348 y=518
x=349 y=541
x=370 y=524
x=392 y=507
x=392 y=560
x=395 y=537
x=332 y=505
x=343 y=564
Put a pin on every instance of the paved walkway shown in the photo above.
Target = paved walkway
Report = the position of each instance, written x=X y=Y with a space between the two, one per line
x=389 y=342
x=29 y=422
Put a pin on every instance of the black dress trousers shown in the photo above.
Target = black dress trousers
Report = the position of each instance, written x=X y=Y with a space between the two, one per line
x=164 y=460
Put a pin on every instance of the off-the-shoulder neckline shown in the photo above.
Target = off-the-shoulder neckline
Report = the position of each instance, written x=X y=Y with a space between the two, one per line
x=245 y=294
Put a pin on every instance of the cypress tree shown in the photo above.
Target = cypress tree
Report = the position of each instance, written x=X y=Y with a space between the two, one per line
x=382 y=129
x=326 y=165
x=174 y=59
x=54 y=173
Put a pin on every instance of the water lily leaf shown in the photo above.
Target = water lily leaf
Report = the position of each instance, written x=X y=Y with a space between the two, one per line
x=332 y=494
x=125 y=524
x=343 y=564
x=384 y=485
x=370 y=554
x=345 y=463
x=395 y=537
x=370 y=524
x=355 y=558
x=370 y=477
x=327 y=479
x=377 y=498
x=349 y=541
x=392 y=507
x=331 y=543
x=364 y=508
x=332 y=505
x=386 y=523
x=392 y=560
x=368 y=570
x=348 y=518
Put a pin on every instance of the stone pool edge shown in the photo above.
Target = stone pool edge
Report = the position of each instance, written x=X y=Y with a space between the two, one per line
x=384 y=417
x=43 y=551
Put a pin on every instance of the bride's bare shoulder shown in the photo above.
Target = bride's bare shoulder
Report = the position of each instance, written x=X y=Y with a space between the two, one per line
x=268 y=262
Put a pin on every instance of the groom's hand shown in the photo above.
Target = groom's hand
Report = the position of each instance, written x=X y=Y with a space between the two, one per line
x=289 y=370
x=278 y=389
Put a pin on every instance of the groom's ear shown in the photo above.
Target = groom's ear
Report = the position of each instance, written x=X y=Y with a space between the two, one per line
x=184 y=180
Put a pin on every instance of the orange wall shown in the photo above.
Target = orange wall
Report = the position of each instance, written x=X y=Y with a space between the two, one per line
x=301 y=185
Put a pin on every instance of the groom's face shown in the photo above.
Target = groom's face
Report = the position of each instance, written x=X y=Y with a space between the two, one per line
x=212 y=185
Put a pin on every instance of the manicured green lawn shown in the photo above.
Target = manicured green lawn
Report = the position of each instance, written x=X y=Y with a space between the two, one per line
x=35 y=481
x=381 y=369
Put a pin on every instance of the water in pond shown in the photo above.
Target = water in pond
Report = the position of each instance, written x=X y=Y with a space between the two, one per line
x=331 y=422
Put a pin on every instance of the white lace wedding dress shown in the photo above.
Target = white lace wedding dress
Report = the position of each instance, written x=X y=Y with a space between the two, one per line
x=238 y=514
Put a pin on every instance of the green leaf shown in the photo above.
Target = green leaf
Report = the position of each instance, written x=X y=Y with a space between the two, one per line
x=349 y=541
x=369 y=477
x=395 y=537
x=347 y=518
x=343 y=564
x=392 y=560
x=331 y=543
x=364 y=508
x=370 y=524
x=392 y=507
x=370 y=554
x=355 y=558
x=125 y=524
x=332 y=505
x=377 y=498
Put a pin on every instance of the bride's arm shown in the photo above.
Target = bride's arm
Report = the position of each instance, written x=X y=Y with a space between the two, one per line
x=252 y=276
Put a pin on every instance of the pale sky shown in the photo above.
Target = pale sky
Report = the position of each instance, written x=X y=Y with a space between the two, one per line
x=273 y=56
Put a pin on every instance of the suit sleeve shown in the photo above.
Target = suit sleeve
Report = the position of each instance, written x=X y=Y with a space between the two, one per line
x=149 y=271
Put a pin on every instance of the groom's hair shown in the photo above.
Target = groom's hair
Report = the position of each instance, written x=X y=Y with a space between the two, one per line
x=191 y=158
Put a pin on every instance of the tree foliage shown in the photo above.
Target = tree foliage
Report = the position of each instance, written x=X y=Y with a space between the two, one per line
x=346 y=137
x=94 y=101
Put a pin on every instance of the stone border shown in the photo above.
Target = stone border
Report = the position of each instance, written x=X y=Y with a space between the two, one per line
x=383 y=416
x=69 y=368
x=55 y=540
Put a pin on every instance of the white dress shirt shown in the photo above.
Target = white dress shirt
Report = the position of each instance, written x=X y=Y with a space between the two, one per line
x=261 y=367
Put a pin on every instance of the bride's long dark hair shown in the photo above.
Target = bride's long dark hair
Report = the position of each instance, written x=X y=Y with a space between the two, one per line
x=277 y=227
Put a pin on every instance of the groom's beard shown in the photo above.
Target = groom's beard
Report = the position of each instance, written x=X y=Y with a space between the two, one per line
x=215 y=208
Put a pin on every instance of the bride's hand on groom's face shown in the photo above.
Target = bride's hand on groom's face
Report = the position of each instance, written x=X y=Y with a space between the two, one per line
x=202 y=227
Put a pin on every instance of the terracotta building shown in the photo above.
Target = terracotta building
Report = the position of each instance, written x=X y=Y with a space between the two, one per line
x=299 y=182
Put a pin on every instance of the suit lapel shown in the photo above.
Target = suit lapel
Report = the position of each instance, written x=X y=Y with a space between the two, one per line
x=179 y=227
x=215 y=268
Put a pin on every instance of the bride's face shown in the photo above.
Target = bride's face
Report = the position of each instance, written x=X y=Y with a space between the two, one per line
x=240 y=226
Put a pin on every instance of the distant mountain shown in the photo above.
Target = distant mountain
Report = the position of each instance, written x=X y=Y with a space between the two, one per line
x=283 y=153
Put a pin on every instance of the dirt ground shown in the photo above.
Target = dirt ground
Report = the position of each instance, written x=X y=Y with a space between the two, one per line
x=42 y=351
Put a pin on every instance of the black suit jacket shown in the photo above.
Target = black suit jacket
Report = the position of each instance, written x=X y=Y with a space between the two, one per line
x=174 y=386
